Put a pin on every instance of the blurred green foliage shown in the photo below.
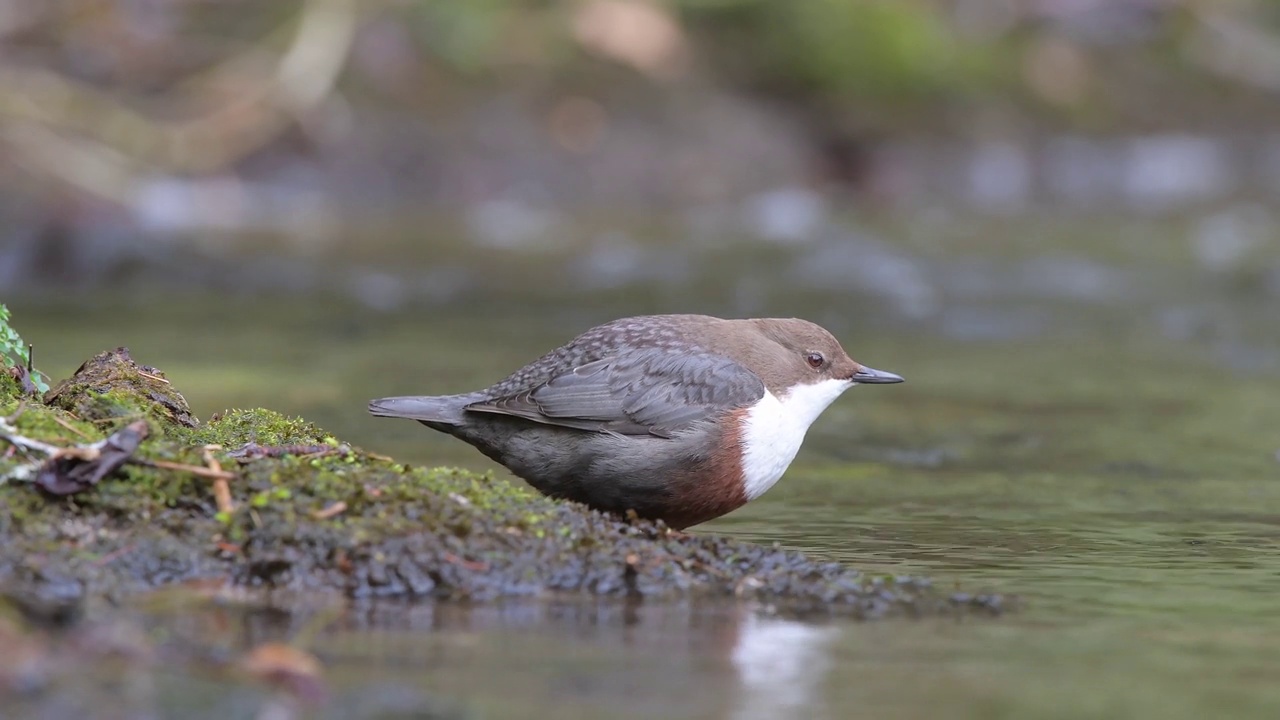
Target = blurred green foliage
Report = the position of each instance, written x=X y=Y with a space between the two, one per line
x=876 y=49
x=870 y=48
x=887 y=59
x=874 y=58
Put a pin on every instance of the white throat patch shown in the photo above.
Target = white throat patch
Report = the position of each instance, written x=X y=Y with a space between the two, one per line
x=775 y=429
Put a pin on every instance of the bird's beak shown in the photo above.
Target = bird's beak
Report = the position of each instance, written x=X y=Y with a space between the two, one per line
x=875 y=377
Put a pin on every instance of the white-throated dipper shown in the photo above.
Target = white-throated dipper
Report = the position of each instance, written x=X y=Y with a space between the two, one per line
x=681 y=418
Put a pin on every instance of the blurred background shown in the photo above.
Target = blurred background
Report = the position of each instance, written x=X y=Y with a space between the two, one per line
x=985 y=170
x=1056 y=218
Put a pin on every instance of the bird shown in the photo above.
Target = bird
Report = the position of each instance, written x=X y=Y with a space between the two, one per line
x=678 y=418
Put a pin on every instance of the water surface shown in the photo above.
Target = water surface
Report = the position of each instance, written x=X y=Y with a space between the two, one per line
x=1124 y=484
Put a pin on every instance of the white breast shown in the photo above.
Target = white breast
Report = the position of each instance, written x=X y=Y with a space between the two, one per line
x=775 y=429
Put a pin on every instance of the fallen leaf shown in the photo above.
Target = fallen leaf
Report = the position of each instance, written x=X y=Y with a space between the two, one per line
x=74 y=470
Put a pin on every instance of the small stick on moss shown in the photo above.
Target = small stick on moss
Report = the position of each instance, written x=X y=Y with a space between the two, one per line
x=221 y=490
x=10 y=433
x=197 y=470
x=472 y=565
x=154 y=377
x=322 y=452
x=22 y=407
x=117 y=418
x=330 y=510
x=113 y=555
x=71 y=427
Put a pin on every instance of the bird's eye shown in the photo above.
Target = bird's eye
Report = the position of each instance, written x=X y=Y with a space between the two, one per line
x=815 y=360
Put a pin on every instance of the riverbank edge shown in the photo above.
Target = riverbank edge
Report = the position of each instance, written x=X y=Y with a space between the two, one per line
x=255 y=500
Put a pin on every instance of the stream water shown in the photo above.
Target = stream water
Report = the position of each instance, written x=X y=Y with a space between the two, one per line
x=1121 y=480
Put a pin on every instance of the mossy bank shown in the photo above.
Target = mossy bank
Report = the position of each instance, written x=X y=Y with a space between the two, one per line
x=309 y=513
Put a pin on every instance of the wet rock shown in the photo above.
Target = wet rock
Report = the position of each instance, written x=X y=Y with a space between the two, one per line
x=45 y=597
x=111 y=385
x=991 y=322
x=785 y=215
x=1163 y=171
x=1071 y=278
x=1229 y=241
x=846 y=260
x=510 y=224
x=933 y=457
x=999 y=177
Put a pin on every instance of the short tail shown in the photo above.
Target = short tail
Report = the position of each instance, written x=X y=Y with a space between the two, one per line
x=444 y=409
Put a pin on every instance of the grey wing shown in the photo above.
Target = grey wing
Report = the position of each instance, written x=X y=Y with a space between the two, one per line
x=651 y=392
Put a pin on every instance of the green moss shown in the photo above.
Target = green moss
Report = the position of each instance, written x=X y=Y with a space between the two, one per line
x=110 y=387
x=8 y=387
x=38 y=422
x=235 y=428
x=49 y=424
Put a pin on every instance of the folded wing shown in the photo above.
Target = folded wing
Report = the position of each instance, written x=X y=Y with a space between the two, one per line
x=657 y=391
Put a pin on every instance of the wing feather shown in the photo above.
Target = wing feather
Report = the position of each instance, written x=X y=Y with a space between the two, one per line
x=657 y=391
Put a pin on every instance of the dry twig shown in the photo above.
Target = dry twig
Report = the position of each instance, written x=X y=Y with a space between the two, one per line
x=330 y=510
x=197 y=470
x=70 y=427
x=221 y=490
